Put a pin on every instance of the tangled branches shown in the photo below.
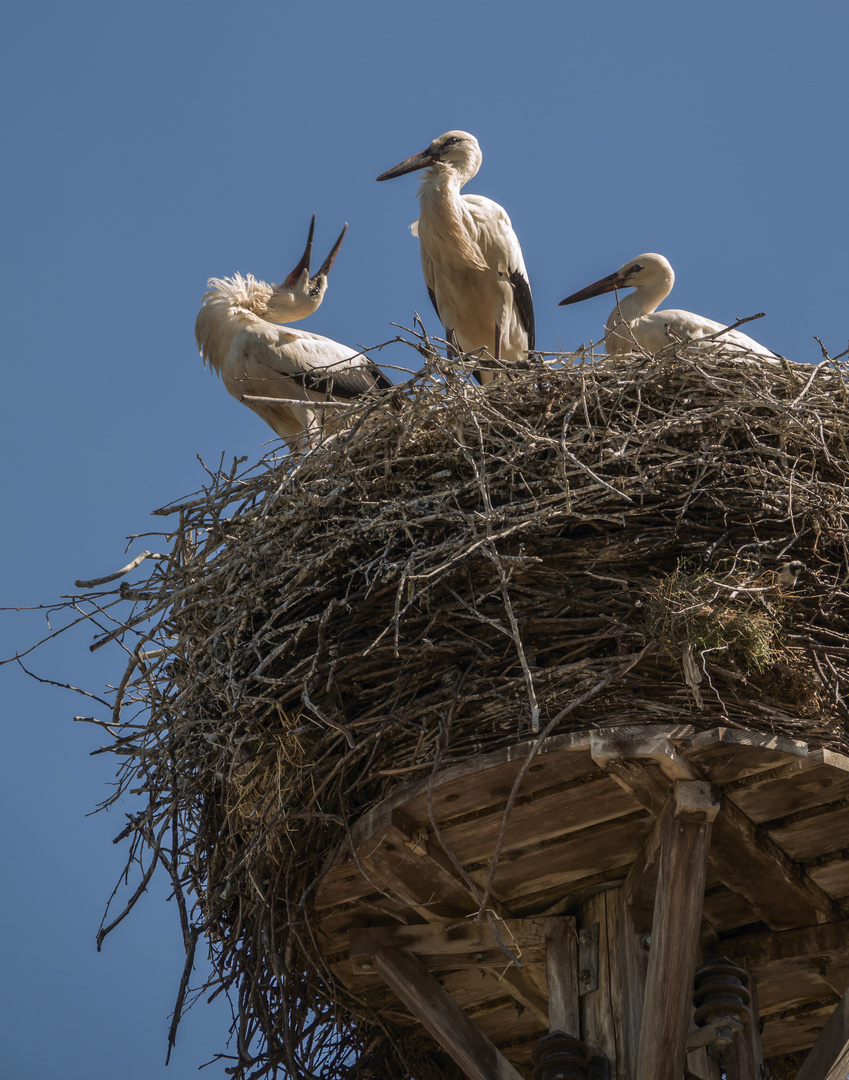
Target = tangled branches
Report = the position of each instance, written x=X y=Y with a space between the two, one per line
x=612 y=542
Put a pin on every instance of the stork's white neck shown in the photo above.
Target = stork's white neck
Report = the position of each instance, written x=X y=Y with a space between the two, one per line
x=644 y=299
x=443 y=226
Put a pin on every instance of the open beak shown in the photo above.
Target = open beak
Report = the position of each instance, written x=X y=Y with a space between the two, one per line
x=417 y=161
x=304 y=264
x=328 y=262
x=605 y=284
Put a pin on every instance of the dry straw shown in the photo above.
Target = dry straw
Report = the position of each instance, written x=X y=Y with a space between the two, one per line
x=588 y=542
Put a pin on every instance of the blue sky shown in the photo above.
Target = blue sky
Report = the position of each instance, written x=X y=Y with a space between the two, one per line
x=149 y=147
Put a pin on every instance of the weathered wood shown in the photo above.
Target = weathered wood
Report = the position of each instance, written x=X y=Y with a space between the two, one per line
x=813 y=833
x=829 y=1056
x=824 y=939
x=752 y=864
x=453 y=945
x=436 y=1010
x=685 y=840
x=603 y=1010
x=821 y=777
x=725 y=754
x=574 y=858
x=562 y=975
x=520 y=985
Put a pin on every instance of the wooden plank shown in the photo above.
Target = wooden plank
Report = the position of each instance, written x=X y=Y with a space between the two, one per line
x=814 y=833
x=725 y=754
x=685 y=841
x=803 y=785
x=792 y=1030
x=564 y=863
x=753 y=865
x=758 y=949
x=444 y=1019
x=518 y=982
x=542 y=816
x=604 y=1009
x=832 y=874
x=562 y=975
x=451 y=945
x=829 y=1056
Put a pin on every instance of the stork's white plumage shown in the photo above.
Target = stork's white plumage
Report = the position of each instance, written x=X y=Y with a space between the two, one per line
x=634 y=322
x=471 y=258
x=238 y=337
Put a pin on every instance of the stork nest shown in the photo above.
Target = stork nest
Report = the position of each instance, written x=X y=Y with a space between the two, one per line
x=620 y=541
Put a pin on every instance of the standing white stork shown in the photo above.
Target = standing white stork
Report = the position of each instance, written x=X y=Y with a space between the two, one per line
x=471 y=258
x=238 y=338
x=634 y=322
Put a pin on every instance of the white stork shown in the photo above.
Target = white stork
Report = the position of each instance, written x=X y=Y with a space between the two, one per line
x=238 y=337
x=634 y=323
x=471 y=258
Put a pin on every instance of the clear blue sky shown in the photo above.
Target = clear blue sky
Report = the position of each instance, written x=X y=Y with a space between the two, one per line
x=150 y=146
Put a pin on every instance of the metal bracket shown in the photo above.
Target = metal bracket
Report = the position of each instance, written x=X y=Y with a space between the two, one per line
x=588 y=960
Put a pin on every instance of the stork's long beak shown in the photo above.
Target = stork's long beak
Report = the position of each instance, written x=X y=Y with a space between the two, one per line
x=304 y=263
x=603 y=285
x=417 y=161
x=328 y=262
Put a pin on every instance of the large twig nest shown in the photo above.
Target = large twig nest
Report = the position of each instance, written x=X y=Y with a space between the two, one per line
x=612 y=542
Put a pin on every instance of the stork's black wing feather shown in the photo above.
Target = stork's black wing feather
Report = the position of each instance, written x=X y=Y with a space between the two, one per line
x=524 y=304
x=432 y=296
x=348 y=382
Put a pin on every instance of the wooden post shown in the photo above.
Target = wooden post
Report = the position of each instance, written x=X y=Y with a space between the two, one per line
x=684 y=842
x=829 y=1056
x=561 y=967
x=434 y=1007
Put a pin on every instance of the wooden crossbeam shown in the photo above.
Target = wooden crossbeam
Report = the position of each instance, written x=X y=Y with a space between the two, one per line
x=684 y=834
x=398 y=860
x=744 y=858
x=467 y=944
x=824 y=939
x=436 y=1010
x=828 y=1058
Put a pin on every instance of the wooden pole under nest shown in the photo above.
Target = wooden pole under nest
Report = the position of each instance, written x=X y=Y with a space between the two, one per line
x=623 y=979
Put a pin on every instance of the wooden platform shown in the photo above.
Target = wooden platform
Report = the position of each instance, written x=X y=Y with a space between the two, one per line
x=582 y=850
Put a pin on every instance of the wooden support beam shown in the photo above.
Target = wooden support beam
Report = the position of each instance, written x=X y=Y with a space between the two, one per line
x=754 y=866
x=436 y=1010
x=746 y=859
x=685 y=832
x=468 y=945
x=407 y=864
x=829 y=1056
x=457 y=945
x=825 y=939
x=561 y=968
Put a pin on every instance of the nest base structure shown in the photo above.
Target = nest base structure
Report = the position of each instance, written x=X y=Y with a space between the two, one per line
x=333 y=680
x=631 y=857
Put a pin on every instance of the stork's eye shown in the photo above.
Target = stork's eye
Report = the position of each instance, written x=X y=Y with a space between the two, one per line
x=635 y=269
x=452 y=140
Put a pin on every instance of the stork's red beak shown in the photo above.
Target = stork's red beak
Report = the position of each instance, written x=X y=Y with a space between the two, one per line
x=603 y=285
x=328 y=262
x=304 y=263
x=417 y=161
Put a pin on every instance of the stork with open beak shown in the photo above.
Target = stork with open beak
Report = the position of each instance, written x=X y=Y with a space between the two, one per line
x=471 y=258
x=634 y=322
x=237 y=333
